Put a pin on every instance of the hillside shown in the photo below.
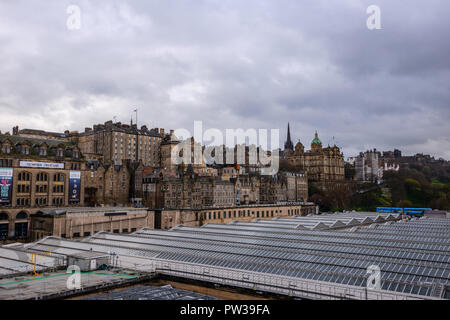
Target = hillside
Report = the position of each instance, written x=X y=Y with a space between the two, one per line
x=418 y=183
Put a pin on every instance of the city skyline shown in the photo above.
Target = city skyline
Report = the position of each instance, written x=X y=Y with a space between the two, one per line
x=246 y=152
x=282 y=141
x=233 y=65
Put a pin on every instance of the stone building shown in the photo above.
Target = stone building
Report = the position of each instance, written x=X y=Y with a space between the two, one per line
x=368 y=166
x=247 y=189
x=35 y=174
x=284 y=186
x=113 y=184
x=189 y=190
x=115 y=142
x=44 y=135
x=193 y=192
x=168 y=143
x=223 y=193
x=75 y=223
x=321 y=164
x=169 y=218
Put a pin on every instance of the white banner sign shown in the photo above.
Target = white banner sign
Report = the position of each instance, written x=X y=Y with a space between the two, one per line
x=75 y=174
x=6 y=172
x=43 y=165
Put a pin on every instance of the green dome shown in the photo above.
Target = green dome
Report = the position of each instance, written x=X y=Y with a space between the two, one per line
x=316 y=139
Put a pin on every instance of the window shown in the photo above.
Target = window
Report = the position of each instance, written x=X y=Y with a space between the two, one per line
x=87 y=234
x=76 y=154
x=6 y=149
x=42 y=177
x=41 y=188
x=5 y=163
x=116 y=231
x=59 y=177
x=60 y=153
x=23 y=201
x=23 y=188
x=58 y=188
x=40 y=201
x=25 y=150
x=43 y=152
x=58 y=201
x=76 y=235
x=125 y=230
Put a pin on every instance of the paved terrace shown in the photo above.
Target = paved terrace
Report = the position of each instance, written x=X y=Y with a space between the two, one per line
x=55 y=284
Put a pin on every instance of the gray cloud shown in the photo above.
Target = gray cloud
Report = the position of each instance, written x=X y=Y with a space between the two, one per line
x=234 y=64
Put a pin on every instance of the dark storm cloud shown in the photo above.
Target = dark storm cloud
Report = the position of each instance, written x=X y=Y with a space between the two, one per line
x=234 y=64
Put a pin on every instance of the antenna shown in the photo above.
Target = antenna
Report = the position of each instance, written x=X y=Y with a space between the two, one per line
x=136 y=110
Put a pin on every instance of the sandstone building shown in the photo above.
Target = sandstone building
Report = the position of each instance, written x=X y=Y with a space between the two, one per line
x=36 y=173
x=115 y=142
x=75 y=223
x=321 y=164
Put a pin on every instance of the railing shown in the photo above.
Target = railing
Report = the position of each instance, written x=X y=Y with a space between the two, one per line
x=289 y=286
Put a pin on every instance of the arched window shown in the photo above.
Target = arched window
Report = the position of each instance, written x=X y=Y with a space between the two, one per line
x=21 y=215
x=42 y=177
x=3 y=216
x=24 y=176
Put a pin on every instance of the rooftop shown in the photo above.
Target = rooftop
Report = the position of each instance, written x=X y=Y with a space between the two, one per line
x=310 y=262
x=86 y=210
x=152 y=293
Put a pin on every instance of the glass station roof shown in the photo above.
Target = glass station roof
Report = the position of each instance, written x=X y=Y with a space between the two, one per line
x=414 y=256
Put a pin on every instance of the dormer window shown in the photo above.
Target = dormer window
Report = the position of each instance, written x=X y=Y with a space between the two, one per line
x=76 y=154
x=6 y=149
x=43 y=152
x=60 y=153
x=25 y=150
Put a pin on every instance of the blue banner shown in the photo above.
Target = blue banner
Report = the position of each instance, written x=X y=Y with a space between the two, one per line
x=74 y=186
x=6 y=181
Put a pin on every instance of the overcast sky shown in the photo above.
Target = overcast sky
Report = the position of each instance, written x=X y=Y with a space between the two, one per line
x=234 y=64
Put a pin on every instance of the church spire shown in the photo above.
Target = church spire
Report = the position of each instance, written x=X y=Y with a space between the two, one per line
x=288 y=145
